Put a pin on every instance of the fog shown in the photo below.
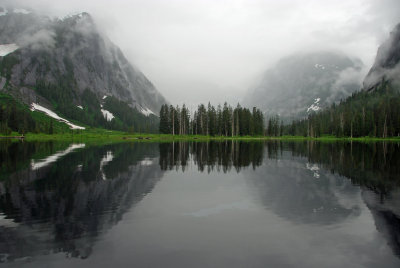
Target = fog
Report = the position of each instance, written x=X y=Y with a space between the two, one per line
x=200 y=50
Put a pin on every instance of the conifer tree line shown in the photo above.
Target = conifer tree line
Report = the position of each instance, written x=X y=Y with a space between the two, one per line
x=211 y=121
x=374 y=114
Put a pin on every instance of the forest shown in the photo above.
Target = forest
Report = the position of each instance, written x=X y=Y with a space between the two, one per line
x=221 y=121
x=366 y=113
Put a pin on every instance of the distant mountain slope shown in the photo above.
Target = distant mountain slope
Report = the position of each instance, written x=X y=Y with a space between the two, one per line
x=373 y=111
x=68 y=65
x=302 y=83
x=386 y=66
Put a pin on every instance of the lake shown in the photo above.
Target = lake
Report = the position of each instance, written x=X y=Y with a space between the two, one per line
x=197 y=204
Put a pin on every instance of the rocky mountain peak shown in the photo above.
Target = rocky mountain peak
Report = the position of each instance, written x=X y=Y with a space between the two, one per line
x=386 y=66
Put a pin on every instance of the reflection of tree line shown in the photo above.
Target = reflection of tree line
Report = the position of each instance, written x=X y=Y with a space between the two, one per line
x=374 y=165
x=71 y=199
x=208 y=156
x=15 y=156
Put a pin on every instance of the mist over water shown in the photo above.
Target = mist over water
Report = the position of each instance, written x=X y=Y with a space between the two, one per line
x=230 y=204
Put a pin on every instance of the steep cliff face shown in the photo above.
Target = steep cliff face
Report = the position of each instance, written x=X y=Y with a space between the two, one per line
x=386 y=66
x=306 y=82
x=70 y=55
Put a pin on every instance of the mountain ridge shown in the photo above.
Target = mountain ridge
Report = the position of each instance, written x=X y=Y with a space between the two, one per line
x=56 y=62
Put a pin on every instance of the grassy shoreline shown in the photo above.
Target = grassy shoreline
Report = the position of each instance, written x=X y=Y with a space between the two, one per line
x=117 y=136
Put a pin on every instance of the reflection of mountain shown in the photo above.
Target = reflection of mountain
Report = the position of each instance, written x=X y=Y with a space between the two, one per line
x=66 y=205
x=373 y=166
x=302 y=193
x=386 y=213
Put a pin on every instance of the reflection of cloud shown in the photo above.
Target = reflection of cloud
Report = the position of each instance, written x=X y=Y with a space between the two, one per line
x=242 y=205
x=53 y=158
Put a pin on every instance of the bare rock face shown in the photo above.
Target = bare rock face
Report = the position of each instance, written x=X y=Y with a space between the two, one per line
x=72 y=53
x=386 y=66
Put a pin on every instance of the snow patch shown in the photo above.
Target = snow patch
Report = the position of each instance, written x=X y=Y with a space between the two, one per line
x=146 y=111
x=71 y=15
x=107 y=114
x=37 y=107
x=319 y=66
x=6 y=222
x=21 y=11
x=7 y=49
x=315 y=106
x=146 y=162
x=79 y=106
x=3 y=12
x=314 y=168
x=53 y=158
x=104 y=161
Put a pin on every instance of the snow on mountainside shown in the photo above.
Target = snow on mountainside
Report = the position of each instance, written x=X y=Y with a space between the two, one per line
x=107 y=115
x=315 y=106
x=146 y=111
x=37 y=107
x=7 y=49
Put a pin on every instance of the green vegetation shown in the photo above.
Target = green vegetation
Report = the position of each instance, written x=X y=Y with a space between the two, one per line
x=365 y=117
x=374 y=114
x=107 y=136
x=223 y=121
x=16 y=117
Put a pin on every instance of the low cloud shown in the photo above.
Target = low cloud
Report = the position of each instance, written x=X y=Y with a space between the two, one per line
x=42 y=39
x=229 y=44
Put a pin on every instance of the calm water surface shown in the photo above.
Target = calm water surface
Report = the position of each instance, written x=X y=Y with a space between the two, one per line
x=226 y=204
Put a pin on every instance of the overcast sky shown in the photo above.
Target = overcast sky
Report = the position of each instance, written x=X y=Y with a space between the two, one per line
x=200 y=50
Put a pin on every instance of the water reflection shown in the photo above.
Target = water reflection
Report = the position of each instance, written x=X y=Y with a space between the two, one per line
x=59 y=197
x=308 y=182
x=211 y=156
x=64 y=201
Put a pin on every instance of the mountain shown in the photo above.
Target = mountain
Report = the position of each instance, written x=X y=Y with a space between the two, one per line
x=386 y=66
x=373 y=111
x=66 y=65
x=305 y=82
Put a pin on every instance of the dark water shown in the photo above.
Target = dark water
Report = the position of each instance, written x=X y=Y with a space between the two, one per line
x=225 y=204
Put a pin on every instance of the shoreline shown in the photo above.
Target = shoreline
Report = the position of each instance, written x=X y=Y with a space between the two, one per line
x=112 y=136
